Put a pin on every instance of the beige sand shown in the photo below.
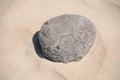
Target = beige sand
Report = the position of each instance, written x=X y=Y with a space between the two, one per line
x=20 y=19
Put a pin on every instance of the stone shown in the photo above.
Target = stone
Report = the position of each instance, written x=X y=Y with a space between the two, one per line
x=66 y=38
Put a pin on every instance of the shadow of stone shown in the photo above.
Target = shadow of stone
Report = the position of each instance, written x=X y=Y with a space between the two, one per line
x=37 y=47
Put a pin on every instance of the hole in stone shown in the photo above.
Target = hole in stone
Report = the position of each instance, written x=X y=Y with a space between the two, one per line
x=57 y=47
x=46 y=23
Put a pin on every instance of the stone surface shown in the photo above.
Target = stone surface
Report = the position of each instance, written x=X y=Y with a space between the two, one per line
x=66 y=38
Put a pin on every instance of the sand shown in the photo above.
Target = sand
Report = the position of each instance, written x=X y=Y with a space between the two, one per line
x=21 y=19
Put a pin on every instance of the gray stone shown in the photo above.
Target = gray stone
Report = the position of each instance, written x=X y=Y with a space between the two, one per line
x=66 y=38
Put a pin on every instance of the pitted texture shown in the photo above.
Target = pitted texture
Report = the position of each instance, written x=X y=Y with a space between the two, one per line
x=66 y=38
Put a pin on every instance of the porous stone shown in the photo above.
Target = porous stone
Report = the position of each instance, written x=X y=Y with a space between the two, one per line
x=66 y=38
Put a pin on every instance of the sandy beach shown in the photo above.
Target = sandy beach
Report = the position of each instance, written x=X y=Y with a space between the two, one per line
x=21 y=19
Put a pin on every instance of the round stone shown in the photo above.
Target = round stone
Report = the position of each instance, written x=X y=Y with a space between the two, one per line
x=66 y=38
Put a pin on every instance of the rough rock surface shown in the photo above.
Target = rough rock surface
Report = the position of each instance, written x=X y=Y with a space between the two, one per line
x=66 y=38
